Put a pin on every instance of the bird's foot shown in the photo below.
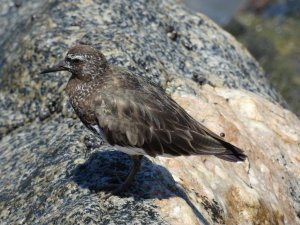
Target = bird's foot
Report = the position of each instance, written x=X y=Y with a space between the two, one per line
x=116 y=190
x=112 y=189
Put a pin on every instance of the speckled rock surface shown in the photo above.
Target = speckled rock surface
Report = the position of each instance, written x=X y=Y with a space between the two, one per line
x=46 y=176
x=265 y=190
x=156 y=40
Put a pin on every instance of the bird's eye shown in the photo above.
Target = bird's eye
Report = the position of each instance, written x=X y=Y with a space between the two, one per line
x=76 y=61
x=73 y=60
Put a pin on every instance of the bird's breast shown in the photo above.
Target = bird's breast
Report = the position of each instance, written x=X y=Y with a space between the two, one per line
x=81 y=99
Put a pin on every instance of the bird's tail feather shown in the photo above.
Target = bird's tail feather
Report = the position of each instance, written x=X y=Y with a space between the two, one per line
x=232 y=153
x=212 y=144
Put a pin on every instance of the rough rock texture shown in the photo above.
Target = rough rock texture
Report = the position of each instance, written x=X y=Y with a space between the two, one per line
x=47 y=174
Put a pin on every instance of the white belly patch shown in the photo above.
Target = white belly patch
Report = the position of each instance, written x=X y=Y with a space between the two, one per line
x=127 y=150
x=131 y=150
x=99 y=132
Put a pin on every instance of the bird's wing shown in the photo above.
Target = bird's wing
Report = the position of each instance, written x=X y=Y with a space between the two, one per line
x=154 y=122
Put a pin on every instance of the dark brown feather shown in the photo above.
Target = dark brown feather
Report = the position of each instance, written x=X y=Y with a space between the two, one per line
x=136 y=113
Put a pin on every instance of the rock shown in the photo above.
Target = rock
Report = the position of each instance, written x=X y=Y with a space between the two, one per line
x=47 y=177
x=266 y=188
x=220 y=11
x=152 y=39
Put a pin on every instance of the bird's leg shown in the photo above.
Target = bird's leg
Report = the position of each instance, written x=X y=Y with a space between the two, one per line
x=117 y=188
x=137 y=159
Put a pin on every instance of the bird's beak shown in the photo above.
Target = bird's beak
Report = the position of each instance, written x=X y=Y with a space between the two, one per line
x=61 y=66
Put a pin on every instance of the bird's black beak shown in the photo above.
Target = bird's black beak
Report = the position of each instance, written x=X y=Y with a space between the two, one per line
x=61 y=66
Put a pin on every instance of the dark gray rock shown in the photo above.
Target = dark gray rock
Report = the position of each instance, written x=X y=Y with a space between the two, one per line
x=45 y=178
x=156 y=40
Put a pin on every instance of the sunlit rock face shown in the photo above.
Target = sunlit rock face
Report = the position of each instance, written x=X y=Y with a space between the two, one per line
x=48 y=176
x=261 y=190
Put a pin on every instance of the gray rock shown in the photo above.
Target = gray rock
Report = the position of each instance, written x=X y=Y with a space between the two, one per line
x=156 y=40
x=45 y=177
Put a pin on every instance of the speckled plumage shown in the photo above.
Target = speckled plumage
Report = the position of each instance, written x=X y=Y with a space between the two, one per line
x=129 y=111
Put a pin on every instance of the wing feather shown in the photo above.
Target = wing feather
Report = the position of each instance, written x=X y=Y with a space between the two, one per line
x=157 y=124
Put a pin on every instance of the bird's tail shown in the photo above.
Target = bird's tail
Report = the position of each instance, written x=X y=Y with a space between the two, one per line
x=232 y=153
x=217 y=146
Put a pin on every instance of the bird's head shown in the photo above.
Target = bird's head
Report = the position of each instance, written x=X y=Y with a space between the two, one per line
x=83 y=61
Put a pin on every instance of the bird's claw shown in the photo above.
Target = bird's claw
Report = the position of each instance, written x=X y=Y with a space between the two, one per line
x=111 y=189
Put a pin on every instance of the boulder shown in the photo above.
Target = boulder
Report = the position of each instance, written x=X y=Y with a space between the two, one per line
x=48 y=173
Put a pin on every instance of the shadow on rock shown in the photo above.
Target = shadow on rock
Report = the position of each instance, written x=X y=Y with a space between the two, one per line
x=151 y=182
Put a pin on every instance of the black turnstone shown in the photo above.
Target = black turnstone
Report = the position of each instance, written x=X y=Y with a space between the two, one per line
x=133 y=114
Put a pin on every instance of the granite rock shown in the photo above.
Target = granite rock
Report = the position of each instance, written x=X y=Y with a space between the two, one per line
x=155 y=40
x=48 y=175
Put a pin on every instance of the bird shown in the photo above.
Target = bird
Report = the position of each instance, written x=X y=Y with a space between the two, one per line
x=134 y=114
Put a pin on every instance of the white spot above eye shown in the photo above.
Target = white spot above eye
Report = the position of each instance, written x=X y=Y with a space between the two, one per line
x=78 y=57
